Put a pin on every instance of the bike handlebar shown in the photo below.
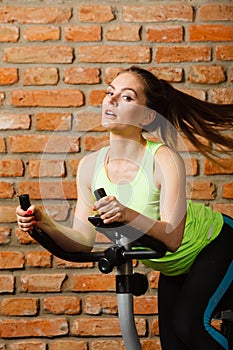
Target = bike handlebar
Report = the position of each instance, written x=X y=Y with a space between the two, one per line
x=157 y=248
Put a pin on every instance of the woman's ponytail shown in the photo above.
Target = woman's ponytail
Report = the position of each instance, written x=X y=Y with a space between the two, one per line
x=203 y=123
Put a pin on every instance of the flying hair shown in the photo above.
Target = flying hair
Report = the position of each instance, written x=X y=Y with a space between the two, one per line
x=203 y=123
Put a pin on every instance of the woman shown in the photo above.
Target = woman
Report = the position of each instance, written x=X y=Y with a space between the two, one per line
x=145 y=183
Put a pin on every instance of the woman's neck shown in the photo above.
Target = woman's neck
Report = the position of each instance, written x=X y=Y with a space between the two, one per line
x=126 y=147
x=124 y=158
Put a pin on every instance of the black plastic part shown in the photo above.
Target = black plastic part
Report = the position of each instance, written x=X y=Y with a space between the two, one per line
x=140 y=284
x=100 y=193
x=124 y=284
x=146 y=241
x=136 y=237
x=115 y=254
x=136 y=284
x=61 y=253
x=105 y=266
x=98 y=222
x=56 y=250
x=142 y=240
x=96 y=219
x=51 y=246
x=24 y=201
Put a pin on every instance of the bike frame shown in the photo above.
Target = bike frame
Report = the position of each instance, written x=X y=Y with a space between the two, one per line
x=119 y=255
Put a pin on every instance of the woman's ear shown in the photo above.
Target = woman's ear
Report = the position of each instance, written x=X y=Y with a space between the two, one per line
x=149 y=117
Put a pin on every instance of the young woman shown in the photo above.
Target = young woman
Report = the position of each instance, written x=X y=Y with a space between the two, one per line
x=145 y=186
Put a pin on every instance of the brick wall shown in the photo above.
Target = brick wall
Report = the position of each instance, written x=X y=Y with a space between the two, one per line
x=56 y=61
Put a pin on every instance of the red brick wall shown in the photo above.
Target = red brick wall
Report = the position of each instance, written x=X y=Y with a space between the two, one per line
x=56 y=61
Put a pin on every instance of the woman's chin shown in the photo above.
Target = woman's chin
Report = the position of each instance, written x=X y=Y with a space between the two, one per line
x=111 y=124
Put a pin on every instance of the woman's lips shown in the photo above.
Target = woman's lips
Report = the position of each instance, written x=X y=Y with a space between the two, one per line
x=109 y=114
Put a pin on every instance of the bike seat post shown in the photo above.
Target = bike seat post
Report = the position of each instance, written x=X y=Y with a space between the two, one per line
x=125 y=302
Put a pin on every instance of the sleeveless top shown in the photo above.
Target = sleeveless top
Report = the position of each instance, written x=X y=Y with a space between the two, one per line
x=202 y=223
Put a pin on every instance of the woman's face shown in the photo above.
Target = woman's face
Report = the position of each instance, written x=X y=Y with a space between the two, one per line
x=125 y=103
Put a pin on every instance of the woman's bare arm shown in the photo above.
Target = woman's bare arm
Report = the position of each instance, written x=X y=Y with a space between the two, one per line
x=170 y=179
x=79 y=238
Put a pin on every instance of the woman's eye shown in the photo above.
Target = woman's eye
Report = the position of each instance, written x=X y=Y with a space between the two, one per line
x=127 y=98
x=109 y=93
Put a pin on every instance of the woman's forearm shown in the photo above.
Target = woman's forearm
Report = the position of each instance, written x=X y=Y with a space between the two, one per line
x=68 y=238
x=170 y=235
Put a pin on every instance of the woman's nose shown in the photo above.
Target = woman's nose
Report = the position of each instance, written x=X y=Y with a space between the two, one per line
x=113 y=99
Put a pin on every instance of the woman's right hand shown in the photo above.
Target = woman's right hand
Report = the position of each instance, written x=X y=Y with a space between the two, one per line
x=27 y=219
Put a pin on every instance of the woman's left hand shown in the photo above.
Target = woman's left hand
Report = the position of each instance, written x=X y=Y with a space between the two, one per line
x=111 y=210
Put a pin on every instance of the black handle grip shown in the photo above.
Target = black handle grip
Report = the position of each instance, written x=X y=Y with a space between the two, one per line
x=100 y=193
x=140 y=238
x=51 y=246
x=96 y=220
x=24 y=201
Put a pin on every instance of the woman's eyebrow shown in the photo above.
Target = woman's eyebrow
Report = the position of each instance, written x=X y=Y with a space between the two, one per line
x=126 y=88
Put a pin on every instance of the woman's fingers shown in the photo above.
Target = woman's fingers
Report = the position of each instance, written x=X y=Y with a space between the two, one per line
x=25 y=219
x=110 y=209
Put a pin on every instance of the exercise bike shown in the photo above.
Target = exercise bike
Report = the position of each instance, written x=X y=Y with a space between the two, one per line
x=224 y=314
x=120 y=256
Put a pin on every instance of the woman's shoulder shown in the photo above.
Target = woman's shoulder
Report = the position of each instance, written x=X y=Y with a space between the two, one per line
x=89 y=160
x=165 y=151
x=162 y=153
x=169 y=159
x=86 y=169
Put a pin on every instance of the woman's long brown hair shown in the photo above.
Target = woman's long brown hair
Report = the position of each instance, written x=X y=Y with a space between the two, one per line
x=198 y=120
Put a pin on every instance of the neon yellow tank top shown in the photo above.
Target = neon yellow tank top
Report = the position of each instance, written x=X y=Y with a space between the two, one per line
x=202 y=223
